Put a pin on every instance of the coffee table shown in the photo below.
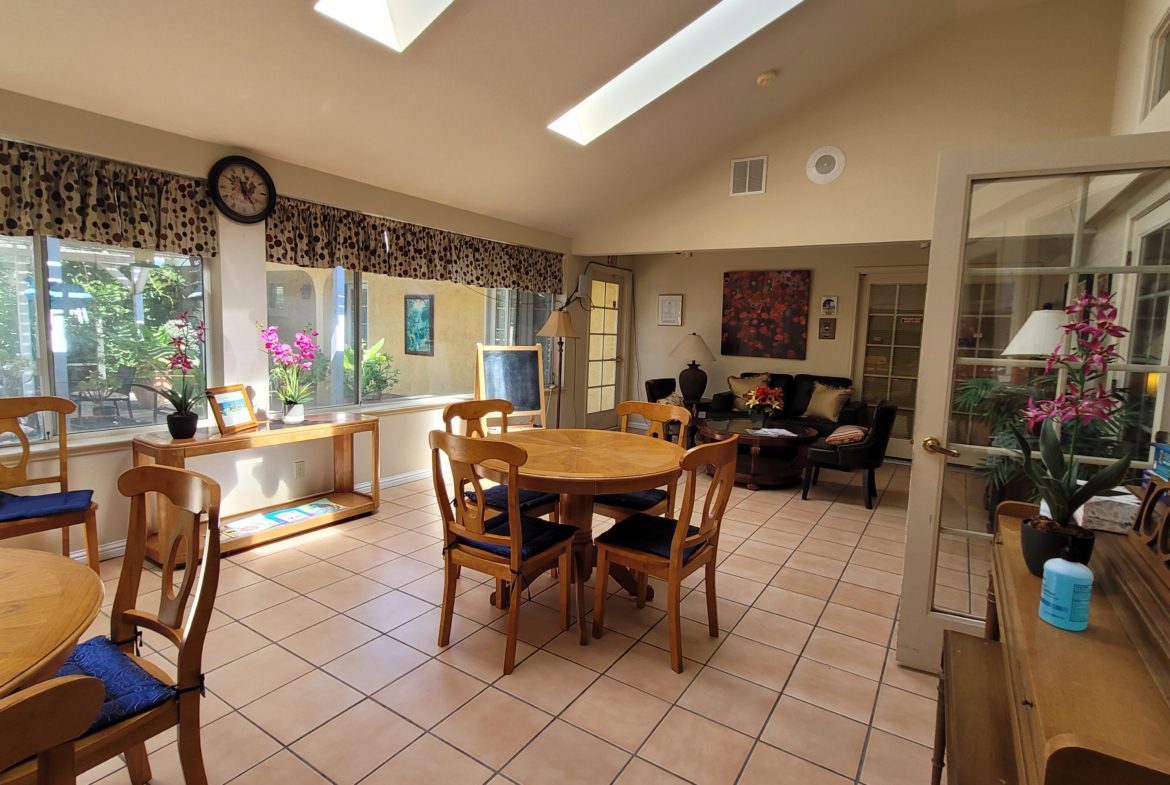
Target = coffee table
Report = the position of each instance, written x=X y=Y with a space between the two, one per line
x=767 y=461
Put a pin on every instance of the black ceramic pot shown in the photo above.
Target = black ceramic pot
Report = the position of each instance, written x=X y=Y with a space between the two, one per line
x=182 y=425
x=759 y=421
x=1040 y=545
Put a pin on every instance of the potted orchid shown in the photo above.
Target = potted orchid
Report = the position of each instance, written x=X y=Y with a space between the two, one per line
x=292 y=366
x=183 y=333
x=1060 y=423
x=763 y=403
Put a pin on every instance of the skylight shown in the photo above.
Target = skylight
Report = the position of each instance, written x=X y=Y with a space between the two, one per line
x=392 y=23
x=728 y=24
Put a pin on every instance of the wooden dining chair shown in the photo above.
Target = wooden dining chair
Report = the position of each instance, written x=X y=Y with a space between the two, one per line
x=511 y=547
x=43 y=720
x=27 y=514
x=672 y=549
x=142 y=700
x=655 y=501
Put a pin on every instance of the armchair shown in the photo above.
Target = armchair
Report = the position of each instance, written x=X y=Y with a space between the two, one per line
x=867 y=454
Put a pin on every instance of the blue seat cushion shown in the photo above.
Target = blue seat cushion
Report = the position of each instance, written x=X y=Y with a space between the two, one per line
x=537 y=535
x=15 y=508
x=647 y=533
x=130 y=690
x=497 y=497
x=636 y=500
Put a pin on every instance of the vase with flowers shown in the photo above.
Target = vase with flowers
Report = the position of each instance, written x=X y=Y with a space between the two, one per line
x=184 y=334
x=763 y=403
x=292 y=368
x=1059 y=422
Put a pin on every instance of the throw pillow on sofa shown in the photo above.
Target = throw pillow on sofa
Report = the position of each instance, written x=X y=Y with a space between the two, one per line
x=847 y=434
x=674 y=399
x=742 y=385
x=827 y=402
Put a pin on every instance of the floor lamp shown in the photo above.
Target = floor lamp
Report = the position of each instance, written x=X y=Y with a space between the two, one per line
x=559 y=326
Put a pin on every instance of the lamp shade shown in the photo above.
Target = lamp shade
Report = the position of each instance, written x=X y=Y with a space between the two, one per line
x=692 y=349
x=1041 y=333
x=558 y=325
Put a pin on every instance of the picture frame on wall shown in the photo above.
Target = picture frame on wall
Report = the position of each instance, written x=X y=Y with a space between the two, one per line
x=419 y=315
x=232 y=408
x=829 y=305
x=670 y=310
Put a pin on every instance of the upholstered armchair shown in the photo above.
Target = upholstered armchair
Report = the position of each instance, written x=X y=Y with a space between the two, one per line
x=866 y=455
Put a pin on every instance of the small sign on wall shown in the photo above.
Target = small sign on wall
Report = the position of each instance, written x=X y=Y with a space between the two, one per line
x=828 y=330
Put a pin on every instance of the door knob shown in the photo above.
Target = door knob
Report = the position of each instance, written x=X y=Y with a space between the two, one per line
x=932 y=444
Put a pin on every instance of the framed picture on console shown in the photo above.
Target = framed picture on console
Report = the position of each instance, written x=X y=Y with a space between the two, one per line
x=232 y=408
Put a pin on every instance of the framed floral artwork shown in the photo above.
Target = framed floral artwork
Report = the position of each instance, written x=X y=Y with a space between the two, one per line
x=765 y=313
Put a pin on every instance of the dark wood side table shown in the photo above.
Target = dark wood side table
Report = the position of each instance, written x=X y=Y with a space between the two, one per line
x=763 y=461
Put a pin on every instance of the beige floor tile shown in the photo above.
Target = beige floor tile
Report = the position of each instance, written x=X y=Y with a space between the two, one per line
x=648 y=668
x=325 y=543
x=729 y=700
x=232 y=577
x=423 y=632
x=774 y=630
x=281 y=562
x=736 y=589
x=225 y=644
x=399 y=572
x=599 y=654
x=538 y=624
x=891 y=760
x=640 y=772
x=284 y=768
x=375 y=531
x=244 y=680
x=791 y=604
x=476 y=604
x=363 y=558
x=300 y=706
x=847 y=653
x=782 y=531
x=492 y=727
x=694 y=607
x=830 y=550
x=821 y=736
x=482 y=654
x=429 y=761
x=411 y=541
x=566 y=755
x=858 y=624
x=620 y=714
x=833 y=689
x=431 y=587
x=356 y=742
x=804 y=583
x=312 y=577
x=252 y=599
x=878 y=561
x=924 y=684
x=769 y=766
x=348 y=592
x=868 y=600
x=372 y=666
x=622 y=615
x=762 y=551
x=905 y=714
x=329 y=639
x=878 y=545
x=817 y=565
x=754 y=661
x=747 y=567
x=288 y=618
x=429 y=693
x=828 y=532
x=696 y=748
x=697 y=643
x=390 y=610
x=547 y=681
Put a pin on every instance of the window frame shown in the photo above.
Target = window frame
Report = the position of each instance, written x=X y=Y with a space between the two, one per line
x=1158 y=66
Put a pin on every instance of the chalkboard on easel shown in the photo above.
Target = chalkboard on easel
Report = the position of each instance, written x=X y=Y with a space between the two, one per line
x=513 y=373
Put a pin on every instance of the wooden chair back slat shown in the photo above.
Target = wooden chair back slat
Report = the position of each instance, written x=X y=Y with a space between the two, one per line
x=474 y=415
x=12 y=410
x=657 y=415
x=721 y=455
x=44 y=719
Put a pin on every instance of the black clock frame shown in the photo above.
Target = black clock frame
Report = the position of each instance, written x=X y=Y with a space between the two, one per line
x=217 y=199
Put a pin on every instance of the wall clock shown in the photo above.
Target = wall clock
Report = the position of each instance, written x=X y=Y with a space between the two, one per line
x=241 y=189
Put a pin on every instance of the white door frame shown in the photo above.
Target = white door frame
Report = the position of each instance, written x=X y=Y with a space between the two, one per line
x=607 y=418
x=921 y=627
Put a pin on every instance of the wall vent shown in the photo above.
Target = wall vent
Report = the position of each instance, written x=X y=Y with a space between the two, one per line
x=749 y=175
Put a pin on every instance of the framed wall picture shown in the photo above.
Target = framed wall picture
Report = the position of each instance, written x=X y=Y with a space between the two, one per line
x=766 y=313
x=670 y=310
x=232 y=408
x=829 y=305
x=420 y=324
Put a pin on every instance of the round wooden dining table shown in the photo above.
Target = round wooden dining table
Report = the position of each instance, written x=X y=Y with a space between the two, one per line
x=46 y=603
x=578 y=464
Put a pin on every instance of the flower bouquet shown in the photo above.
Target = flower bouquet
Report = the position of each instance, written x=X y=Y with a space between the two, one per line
x=763 y=402
x=183 y=332
x=292 y=368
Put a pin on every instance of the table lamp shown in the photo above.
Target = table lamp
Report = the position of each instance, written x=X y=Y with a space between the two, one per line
x=559 y=326
x=1041 y=333
x=693 y=380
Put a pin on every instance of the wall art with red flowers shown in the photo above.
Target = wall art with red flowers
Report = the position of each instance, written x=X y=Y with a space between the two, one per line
x=765 y=313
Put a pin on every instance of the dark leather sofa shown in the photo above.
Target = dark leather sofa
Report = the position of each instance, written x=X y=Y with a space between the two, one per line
x=798 y=391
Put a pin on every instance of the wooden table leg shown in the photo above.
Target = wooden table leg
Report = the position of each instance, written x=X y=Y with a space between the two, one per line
x=755 y=468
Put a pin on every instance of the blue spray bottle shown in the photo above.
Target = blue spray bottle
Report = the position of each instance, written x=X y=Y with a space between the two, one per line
x=1064 y=596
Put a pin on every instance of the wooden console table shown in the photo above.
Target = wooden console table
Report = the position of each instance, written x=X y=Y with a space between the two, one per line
x=340 y=427
x=1035 y=704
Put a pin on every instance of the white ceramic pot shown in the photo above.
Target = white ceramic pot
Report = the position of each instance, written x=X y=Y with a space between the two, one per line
x=294 y=414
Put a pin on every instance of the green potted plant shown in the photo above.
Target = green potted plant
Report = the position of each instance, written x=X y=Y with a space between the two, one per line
x=1060 y=422
x=292 y=368
x=185 y=332
x=377 y=371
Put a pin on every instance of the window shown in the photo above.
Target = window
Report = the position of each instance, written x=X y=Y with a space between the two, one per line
x=90 y=322
x=1160 y=66
x=460 y=316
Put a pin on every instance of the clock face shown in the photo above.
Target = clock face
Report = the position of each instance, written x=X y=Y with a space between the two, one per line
x=242 y=190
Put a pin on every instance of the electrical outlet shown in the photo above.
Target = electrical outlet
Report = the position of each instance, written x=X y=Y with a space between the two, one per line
x=298 y=470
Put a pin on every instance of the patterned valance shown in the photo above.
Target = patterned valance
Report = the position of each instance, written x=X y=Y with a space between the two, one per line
x=80 y=197
x=316 y=235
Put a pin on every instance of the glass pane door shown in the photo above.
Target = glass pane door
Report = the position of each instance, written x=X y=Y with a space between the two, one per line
x=605 y=378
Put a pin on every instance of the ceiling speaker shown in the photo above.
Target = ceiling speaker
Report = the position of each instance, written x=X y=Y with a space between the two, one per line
x=825 y=164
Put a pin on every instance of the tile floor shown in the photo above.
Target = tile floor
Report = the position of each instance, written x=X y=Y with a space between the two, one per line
x=322 y=664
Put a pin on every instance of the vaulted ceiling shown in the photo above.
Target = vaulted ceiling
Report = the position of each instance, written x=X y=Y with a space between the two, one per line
x=460 y=117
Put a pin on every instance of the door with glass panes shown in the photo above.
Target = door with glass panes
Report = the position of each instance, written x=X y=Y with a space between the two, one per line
x=609 y=292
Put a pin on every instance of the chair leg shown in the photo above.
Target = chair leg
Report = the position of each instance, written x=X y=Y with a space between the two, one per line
x=601 y=578
x=446 y=613
x=564 y=578
x=643 y=580
x=674 y=622
x=712 y=600
x=502 y=594
x=65 y=541
x=870 y=489
x=190 y=746
x=816 y=474
x=513 y=628
x=808 y=473
x=577 y=576
x=91 y=540
x=137 y=764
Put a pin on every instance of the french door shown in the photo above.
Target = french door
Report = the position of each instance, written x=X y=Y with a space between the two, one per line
x=1016 y=230
x=609 y=318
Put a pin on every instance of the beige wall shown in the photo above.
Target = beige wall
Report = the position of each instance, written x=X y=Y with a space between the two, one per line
x=835 y=270
x=1037 y=72
x=1131 y=91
